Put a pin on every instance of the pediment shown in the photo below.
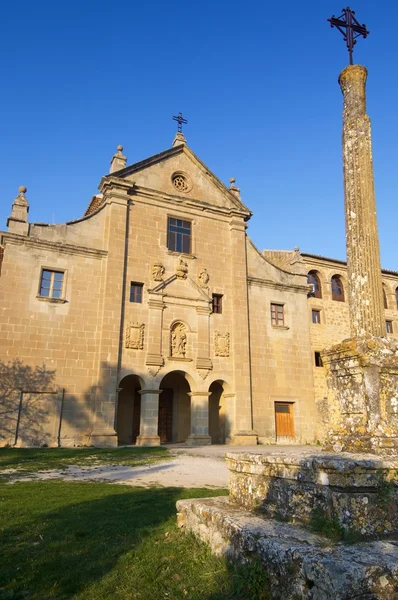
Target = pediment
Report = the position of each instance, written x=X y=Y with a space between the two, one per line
x=159 y=172
x=178 y=288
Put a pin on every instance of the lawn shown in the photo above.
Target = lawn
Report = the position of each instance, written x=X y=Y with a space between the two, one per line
x=28 y=460
x=95 y=541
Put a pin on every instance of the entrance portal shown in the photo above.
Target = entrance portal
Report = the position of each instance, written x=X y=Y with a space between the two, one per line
x=174 y=408
x=128 y=411
x=284 y=421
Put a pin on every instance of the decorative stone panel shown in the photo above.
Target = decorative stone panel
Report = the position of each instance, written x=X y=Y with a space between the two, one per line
x=135 y=336
x=221 y=343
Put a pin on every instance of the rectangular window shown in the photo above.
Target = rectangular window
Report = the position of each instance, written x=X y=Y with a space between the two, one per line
x=179 y=235
x=277 y=315
x=318 y=359
x=136 y=292
x=316 y=316
x=389 y=326
x=217 y=303
x=51 y=283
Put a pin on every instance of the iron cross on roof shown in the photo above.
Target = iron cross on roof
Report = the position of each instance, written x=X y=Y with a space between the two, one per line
x=180 y=120
x=353 y=29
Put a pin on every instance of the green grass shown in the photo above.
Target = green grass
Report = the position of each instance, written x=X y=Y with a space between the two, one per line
x=90 y=541
x=29 y=460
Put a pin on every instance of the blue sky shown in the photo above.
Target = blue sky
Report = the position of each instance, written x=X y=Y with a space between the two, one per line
x=257 y=83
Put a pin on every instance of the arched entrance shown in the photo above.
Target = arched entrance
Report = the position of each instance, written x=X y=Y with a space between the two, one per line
x=128 y=410
x=219 y=423
x=174 y=408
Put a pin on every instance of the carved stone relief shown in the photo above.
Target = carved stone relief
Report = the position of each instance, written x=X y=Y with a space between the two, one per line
x=221 y=343
x=135 y=336
x=182 y=269
x=203 y=278
x=178 y=340
x=157 y=271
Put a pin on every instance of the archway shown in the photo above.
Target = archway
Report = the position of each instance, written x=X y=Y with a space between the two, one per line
x=219 y=423
x=128 y=410
x=174 y=408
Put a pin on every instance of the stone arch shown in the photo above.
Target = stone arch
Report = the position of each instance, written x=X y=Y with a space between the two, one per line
x=313 y=278
x=129 y=409
x=221 y=410
x=337 y=288
x=174 y=425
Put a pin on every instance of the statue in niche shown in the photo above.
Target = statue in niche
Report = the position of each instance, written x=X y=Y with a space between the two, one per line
x=157 y=271
x=178 y=340
x=203 y=278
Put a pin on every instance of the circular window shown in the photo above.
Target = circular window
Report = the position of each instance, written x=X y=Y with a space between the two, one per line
x=181 y=182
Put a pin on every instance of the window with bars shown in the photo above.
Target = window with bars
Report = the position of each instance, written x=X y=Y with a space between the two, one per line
x=277 y=315
x=316 y=316
x=51 y=284
x=136 y=292
x=179 y=235
x=389 y=327
x=217 y=303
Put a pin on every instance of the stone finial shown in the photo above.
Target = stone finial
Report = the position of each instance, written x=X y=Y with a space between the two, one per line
x=17 y=222
x=118 y=161
x=180 y=139
x=232 y=188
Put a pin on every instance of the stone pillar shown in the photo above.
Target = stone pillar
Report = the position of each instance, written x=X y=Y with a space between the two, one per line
x=118 y=161
x=203 y=361
x=199 y=419
x=363 y=255
x=154 y=359
x=149 y=418
x=17 y=222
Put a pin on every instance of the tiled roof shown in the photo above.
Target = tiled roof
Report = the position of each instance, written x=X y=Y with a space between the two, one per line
x=342 y=262
x=95 y=203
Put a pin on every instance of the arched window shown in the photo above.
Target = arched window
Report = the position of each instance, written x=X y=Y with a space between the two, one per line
x=396 y=296
x=385 y=297
x=337 y=289
x=313 y=279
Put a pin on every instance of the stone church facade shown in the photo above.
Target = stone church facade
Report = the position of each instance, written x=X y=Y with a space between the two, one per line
x=154 y=318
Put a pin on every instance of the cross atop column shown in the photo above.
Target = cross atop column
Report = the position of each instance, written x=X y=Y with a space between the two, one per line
x=350 y=28
x=180 y=120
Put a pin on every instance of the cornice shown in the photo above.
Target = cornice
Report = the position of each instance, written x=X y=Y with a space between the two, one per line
x=21 y=240
x=293 y=287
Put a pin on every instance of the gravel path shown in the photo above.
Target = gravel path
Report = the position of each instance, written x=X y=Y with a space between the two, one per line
x=187 y=467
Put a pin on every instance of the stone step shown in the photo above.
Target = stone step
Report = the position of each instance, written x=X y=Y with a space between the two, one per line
x=301 y=565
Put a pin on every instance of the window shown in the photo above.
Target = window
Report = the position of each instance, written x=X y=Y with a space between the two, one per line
x=385 y=297
x=313 y=280
x=318 y=359
x=179 y=235
x=316 y=316
x=389 y=326
x=277 y=315
x=51 y=284
x=136 y=292
x=396 y=296
x=217 y=303
x=337 y=289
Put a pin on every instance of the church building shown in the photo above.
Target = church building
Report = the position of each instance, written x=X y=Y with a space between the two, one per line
x=154 y=319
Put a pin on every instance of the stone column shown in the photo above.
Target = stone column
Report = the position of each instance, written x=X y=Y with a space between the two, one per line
x=154 y=358
x=199 y=419
x=149 y=418
x=203 y=361
x=363 y=255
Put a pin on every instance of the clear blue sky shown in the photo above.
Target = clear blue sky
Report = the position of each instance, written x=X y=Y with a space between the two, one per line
x=256 y=80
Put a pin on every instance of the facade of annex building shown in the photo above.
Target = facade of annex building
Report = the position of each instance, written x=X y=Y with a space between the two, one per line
x=153 y=318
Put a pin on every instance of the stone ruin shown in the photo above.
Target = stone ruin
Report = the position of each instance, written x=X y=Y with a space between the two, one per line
x=351 y=487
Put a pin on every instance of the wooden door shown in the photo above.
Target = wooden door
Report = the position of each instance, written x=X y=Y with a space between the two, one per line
x=165 y=427
x=284 y=420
